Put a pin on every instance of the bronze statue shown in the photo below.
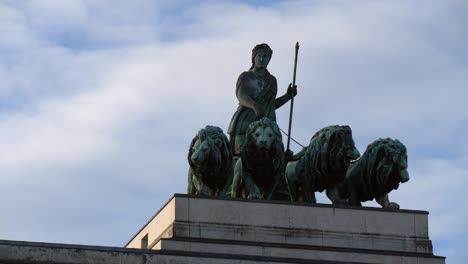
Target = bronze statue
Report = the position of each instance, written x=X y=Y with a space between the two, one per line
x=381 y=169
x=256 y=91
x=260 y=167
x=211 y=163
x=254 y=165
x=322 y=164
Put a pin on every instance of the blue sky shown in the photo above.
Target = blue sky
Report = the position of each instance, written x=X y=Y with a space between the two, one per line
x=99 y=101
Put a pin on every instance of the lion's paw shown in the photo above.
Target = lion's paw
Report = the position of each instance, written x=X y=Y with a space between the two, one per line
x=255 y=196
x=393 y=205
x=204 y=191
x=340 y=202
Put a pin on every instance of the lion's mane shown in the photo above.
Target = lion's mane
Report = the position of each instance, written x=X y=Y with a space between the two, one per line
x=276 y=153
x=260 y=170
x=325 y=156
x=217 y=166
x=378 y=168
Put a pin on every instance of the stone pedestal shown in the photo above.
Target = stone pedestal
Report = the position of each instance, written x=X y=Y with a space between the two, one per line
x=199 y=230
x=288 y=231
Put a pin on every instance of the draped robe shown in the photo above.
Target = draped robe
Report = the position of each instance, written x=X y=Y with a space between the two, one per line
x=262 y=89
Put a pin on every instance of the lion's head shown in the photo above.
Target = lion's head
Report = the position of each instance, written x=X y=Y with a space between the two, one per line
x=264 y=136
x=209 y=151
x=386 y=164
x=329 y=154
x=264 y=144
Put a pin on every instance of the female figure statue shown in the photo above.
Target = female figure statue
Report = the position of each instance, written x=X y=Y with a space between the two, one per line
x=256 y=91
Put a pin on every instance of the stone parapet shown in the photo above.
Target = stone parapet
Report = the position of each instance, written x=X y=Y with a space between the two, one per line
x=293 y=230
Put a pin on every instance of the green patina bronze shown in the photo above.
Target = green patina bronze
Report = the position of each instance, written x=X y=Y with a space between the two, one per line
x=381 y=169
x=256 y=91
x=260 y=169
x=322 y=164
x=254 y=165
x=211 y=163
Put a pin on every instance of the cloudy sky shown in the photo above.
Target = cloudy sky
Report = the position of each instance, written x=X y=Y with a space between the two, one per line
x=99 y=100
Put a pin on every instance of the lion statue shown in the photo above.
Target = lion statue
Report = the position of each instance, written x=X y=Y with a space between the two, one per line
x=210 y=161
x=260 y=168
x=381 y=169
x=322 y=164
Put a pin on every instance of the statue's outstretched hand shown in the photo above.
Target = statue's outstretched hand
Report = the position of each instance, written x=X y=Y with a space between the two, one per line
x=292 y=90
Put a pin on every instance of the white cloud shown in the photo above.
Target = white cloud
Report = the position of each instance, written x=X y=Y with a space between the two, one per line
x=112 y=95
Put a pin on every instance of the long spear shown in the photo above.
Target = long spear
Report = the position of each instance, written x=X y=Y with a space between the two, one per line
x=292 y=99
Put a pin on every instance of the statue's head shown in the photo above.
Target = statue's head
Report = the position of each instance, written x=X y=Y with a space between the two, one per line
x=261 y=55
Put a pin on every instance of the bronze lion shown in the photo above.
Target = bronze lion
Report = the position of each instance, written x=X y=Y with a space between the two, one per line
x=260 y=167
x=322 y=164
x=381 y=169
x=210 y=161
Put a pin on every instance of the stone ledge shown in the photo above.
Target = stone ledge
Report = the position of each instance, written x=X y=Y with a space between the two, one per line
x=367 y=208
x=295 y=253
x=41 y=253
x=295 y=237
x=302 y=247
